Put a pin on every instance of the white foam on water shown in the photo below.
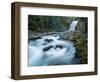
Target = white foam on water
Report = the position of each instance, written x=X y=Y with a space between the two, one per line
x=56 y=51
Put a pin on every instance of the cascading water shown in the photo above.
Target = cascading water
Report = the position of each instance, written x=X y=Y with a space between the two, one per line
x=72 y=26
x=52 y=50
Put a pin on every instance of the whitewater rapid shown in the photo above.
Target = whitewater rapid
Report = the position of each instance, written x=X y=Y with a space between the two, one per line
x=57 y=52
x=52 y=50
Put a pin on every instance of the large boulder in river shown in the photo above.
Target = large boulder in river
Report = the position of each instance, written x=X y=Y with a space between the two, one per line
x=47 y=48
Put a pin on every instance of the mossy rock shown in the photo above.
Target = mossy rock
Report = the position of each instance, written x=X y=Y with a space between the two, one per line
x=81 y=47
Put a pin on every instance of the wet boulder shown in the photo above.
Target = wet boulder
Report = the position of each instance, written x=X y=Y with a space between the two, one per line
x=48 y=40
x=59 y=46
x=47 y=48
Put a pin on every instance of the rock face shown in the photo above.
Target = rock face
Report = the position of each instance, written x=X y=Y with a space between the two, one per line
x=70 y=36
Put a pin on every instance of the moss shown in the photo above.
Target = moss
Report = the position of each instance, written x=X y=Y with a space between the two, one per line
x=80 y=42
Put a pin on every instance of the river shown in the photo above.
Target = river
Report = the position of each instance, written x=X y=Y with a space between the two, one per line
x=52 y=50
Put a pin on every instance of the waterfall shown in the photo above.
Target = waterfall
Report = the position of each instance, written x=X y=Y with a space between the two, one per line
x=72 y=26
x=52 y=50
x=71 y=29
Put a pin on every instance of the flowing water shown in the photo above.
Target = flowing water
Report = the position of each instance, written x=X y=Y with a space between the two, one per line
x=52 y=50
x=72 y=26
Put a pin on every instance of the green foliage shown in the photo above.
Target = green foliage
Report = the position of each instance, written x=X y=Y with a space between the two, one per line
x=80 y=42
x=82 y=26
x=48 y=23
